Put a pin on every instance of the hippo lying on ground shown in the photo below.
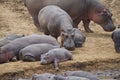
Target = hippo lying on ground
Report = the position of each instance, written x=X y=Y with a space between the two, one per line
x=10 y=50
x=45 y=76
x=79 y=10
x=116 y=39
x=81 y=74
x=79 y=38
x=33 y=52
x=55 y=21
x=9 y=38
x=60 y=77
x=55 y=56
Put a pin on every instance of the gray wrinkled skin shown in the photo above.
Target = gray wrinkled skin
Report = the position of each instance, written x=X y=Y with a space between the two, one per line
x=88 y=75
x=79 y=38
x=9 y=38
x=12 y=49
x=55 y=56
x=45 y=76
x=33 y=52
x=59 y=77
x=79 y=10
x=116 y=39
x=56 y=24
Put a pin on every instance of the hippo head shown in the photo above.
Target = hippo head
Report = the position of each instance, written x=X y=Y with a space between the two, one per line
x=67 y=39
x=4 y=56
x=104 y=19
x=46 y=58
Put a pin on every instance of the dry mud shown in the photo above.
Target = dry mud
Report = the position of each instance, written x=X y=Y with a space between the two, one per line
x=96 y=54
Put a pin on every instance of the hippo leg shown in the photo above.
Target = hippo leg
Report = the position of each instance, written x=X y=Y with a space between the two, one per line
x=76 y=22
x=86 y=26
x=29 y=58
x=56 y=65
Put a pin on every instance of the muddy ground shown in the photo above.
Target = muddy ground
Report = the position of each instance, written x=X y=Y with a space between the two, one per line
x=97 y=54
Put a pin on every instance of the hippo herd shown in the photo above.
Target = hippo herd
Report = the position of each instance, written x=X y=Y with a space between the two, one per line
x=68 y=75
x=58 y=18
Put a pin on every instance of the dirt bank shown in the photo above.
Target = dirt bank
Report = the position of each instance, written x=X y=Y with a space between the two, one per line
x=97 y=53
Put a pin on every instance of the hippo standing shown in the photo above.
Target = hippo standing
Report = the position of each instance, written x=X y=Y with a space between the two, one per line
x=79 y=10
x=79 y=38
x=33 y=52
x=57 y=23
x=10 y=50
x=55 y=56
x=81 y=74
x=9 y=38
x=116 y=39
x=60 y=77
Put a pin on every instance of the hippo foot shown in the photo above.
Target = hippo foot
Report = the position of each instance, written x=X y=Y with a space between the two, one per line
x=29 y=59
x=56 y=69
x=13 y=60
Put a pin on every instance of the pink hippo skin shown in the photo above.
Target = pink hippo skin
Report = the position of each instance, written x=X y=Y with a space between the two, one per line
x=79 y=10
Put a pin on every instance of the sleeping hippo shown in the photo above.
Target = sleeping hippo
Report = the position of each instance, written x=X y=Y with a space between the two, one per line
x=60 y=77
x=84 y=74
x=33 y=52
x=9 y=38
x=56 y=24
x=10 y=50
x=79 y=38
x=55 y=56
x=79 y=10
x=45 y=76
x=116 y=39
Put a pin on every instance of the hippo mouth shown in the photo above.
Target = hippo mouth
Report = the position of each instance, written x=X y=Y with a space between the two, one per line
x=117 y=48
x=109 y=27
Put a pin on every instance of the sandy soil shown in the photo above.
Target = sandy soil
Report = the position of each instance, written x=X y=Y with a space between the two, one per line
x=97 y=53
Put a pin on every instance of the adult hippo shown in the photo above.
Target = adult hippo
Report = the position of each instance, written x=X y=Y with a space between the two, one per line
x=10 y=50
x=79 y=10
x=56 y=24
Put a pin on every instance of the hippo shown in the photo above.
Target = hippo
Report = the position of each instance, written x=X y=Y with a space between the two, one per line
x=45 y=76
x=10 y=50
x=9 y=38
x=56 y=24
x=116 y=39
x=79 y=38
x=85 y=74
x=60 y=77
x=33 y=52
x=79 y=10
x=55 y=56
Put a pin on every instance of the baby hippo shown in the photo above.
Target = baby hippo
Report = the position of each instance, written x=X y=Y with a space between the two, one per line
x=79 y=38
x=60 y=77
x=33 y=52
x=10 y=38
x=55 y=56
x=85 y=74
x=55 y=21
x=116 y=40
